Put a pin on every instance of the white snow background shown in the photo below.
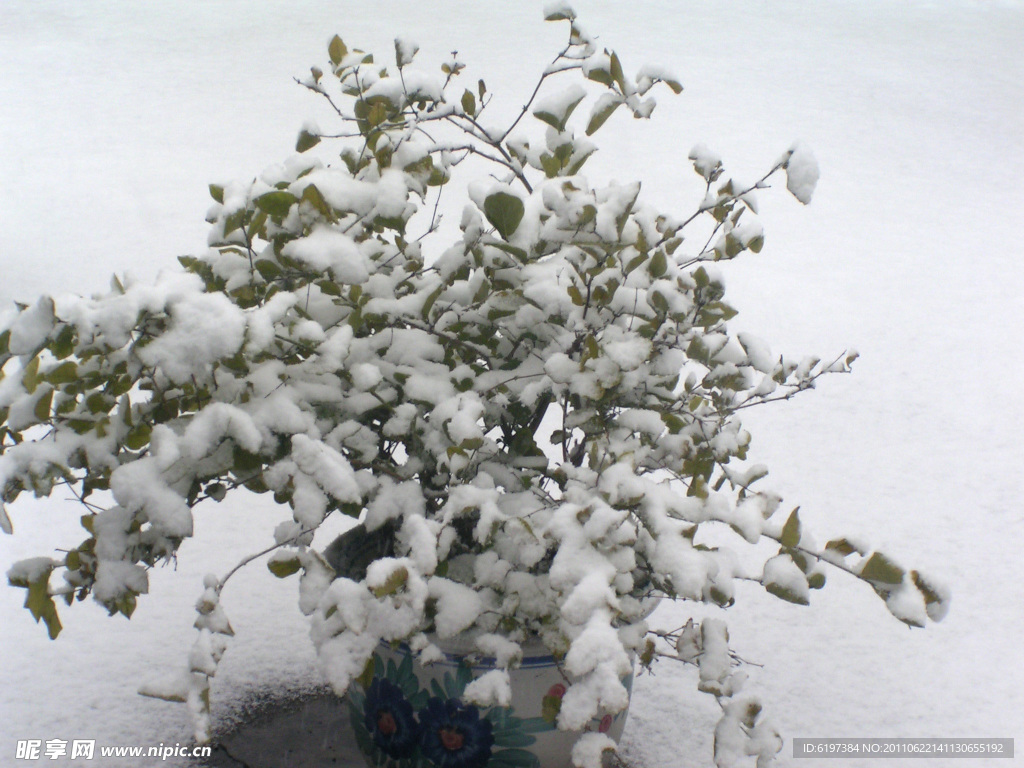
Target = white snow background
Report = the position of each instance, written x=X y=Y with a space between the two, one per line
x=114 y=117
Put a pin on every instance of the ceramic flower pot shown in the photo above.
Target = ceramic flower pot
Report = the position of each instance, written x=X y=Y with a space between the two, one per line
x=406 y=715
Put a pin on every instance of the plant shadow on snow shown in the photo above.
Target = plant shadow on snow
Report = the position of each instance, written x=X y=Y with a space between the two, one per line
x=296 y=727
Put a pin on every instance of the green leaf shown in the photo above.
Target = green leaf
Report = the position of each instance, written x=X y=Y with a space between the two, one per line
x=42 y=409
x=216 y=491
x=550 y=164
x=675 y=85
x=504 y=211
x=429 y=303
x=603 y=109
x=658 y=265
x=550 y=707
x=39 y=602
x=234 y=221
x=276 y=203
x=31 y=379
x=336 y=50
x=843 y=547
x=617 y=76
x=65 y=373
x=791 y=530
x=881 y=569
x=658 y=301
x=306 y=141
x=600 y=75
x=97 y=402
x=438 y=177
x=312 y=195
x=786 y=594
x=138 y=437
x=635 y=262
x=329 y=287
x=268 y=269
x=5 y=521
x=64 y=342
x=469 y=103
x=393 y=583
x=929 y=591
x=378 y=114
x=366 y=678
x=283 y=568
x=217 y=193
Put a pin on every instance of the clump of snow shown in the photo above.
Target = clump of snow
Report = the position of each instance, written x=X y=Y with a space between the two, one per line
x=491 y=689
x=204 y=328
x=714 y=662
x=115 y=577
x=31 y=328
x=327 y=467
x=759 y=354
x=458 y=606
x=405 y=50
x=505 y=652
x=907 y=603
x=801 y=173
x=31 y=569
x=589 y=750
x=325 y=248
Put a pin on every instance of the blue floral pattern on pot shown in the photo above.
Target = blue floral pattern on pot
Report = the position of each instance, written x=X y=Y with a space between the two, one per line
x=389 y=719
x=454 y=735
x=397 y=724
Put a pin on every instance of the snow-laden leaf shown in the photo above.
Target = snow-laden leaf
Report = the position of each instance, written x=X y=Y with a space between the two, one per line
x=337 y=50
x=603 y=108
x=559 y=10
x=306 y=141
x=284 y=564
x=276 y=203
x=881 y=569
x=504 y=211
x=556 y=108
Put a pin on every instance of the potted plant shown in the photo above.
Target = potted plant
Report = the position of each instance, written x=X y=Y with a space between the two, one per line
x=534 y=423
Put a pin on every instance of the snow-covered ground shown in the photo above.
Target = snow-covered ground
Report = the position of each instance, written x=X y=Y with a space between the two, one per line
x=114 y=117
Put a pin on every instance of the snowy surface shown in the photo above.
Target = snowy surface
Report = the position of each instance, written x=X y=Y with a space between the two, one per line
x=116 y=116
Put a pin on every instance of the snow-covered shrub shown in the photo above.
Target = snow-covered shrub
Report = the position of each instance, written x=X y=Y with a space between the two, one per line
x=535 y=423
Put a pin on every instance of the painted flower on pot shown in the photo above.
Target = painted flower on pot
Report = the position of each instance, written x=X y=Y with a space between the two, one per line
x=389 y=719
x=453 y=735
